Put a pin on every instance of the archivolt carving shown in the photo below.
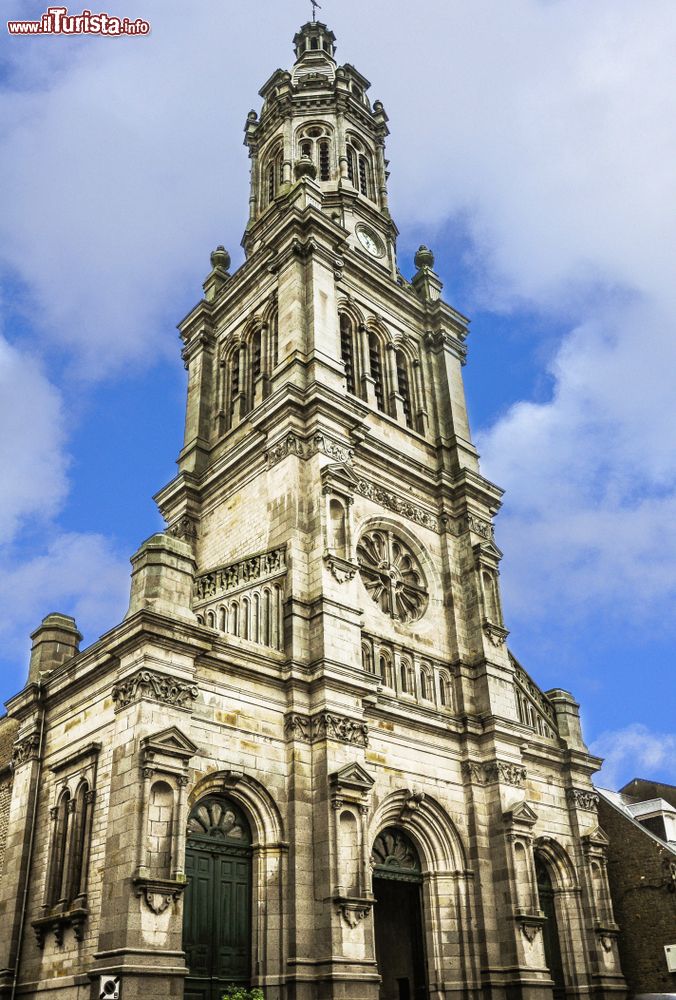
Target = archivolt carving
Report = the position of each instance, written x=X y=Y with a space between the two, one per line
x=435 y=835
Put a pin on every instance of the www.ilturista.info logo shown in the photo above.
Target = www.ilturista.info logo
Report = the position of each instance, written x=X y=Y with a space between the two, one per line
x=57 y=21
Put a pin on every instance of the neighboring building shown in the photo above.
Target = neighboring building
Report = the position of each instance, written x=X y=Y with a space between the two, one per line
x=306 y=759
x=640 y=823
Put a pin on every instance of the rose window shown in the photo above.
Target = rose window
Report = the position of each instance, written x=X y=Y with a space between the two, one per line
x=392 y=575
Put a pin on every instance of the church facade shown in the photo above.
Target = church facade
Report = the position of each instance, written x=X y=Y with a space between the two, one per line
x=306 y=759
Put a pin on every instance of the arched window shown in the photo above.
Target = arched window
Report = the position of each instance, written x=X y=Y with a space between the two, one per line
x=234 y=384
x=57 y=874
x=315 y=142
x=273 y=175
x=324 y=161
x=366 y=657
x=376 y=365
x=359 y=166
x=404 y=385
x=364 y=176
x=426 y=686
x=273 y=327
x=385 y=668
x=406 y=676
x=444 y=691
x=347 y=352
x=337 y=528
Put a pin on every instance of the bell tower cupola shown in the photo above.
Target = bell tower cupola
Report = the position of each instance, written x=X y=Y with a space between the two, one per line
x=318 y=128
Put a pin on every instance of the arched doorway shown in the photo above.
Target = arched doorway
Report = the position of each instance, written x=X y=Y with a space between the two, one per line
x=550 y=930
x=397 y=913
x=217 y=902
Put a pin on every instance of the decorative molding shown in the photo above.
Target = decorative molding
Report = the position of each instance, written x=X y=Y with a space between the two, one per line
x=57 y=922
x=353 y=909
x=412 y=511
x=326 y=725
x=84 y=756
x=240 y=574
x=607 y=935
x=495 y=633
x=156 y=686
x=25 y=749
x=185 y=528
x=414 y=799
x=292 y=444
x=158 y=894
x=530 y=924
x=480 y=527
x=486 y=772
x=341 y=569
x=583 y=798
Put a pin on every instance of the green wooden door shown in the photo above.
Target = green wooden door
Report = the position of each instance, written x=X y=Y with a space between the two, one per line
x=550 y=931
x=217 y=904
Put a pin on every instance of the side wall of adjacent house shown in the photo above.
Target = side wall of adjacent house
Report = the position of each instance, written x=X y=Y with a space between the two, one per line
x=645 y=908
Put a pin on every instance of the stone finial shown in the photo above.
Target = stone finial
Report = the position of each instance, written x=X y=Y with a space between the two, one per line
x=163 y=573
x=424 y=257
x=56 y=640
x=305 y=168
x=218 y=276
x=220 y=258
x=252 y=116
x=426 y=282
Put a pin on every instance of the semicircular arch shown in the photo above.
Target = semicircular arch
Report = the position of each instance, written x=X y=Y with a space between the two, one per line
x=429 y=826
x=258 y=805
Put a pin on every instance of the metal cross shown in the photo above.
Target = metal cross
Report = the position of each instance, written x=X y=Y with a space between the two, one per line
x=315 y=5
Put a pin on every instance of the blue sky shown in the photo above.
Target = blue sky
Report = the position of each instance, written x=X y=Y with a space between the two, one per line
x=532 y=148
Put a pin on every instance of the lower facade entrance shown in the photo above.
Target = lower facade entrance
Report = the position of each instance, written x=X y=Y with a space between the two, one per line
x=550 y=931
x=217 y=903
x=400 y=951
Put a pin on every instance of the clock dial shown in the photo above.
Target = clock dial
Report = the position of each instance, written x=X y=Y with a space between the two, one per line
x=370 y=240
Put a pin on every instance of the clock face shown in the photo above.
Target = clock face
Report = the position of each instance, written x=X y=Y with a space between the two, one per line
x=370 y=241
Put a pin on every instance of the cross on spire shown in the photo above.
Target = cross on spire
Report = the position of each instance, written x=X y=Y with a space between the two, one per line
x=315 y=6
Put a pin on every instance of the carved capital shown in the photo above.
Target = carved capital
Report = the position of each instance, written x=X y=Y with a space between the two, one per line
x=25 y=749
x=583 y=798
x=326 y=725
x=486 y=772
x=153 y=685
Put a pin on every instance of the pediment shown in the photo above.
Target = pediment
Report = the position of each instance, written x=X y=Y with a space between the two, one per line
x=352 y=776
x=596 y=838
x=521 y=815
x=487 y=552
x=340 y=475
x=170 y=741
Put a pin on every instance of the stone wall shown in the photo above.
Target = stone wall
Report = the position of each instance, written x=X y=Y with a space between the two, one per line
x=8 y=728
x=645 y=909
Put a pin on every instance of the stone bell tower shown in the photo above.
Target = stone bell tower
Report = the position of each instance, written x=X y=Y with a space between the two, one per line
x=313 y=766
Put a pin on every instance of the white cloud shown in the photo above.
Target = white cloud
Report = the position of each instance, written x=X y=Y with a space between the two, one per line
x=550 y=127
x=79 y=574
x=32 y=457
x=634 y=752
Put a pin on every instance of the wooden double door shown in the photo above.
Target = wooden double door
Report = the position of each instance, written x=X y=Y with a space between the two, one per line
x=217 y=902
